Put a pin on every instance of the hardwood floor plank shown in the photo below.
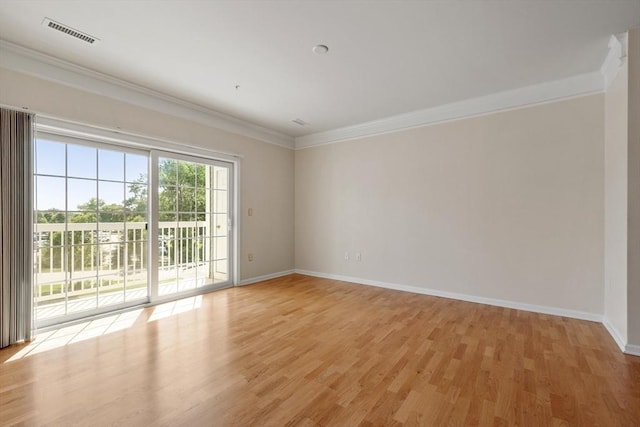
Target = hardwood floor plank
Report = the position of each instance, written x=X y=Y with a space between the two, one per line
x=304 y=351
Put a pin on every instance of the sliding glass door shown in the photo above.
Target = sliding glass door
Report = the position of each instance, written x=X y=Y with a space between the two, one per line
x=94 y=219
x=193 y=224
x=90 y=228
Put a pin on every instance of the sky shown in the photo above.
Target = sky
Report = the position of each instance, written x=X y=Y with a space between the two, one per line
x=91 y=172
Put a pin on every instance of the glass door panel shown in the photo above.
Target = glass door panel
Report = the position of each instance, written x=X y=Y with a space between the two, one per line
x=221 y=220
x=90 y=228
x=193 y=201
x=91 y=235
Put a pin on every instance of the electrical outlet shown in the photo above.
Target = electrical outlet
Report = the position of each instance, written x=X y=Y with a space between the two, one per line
x=346 y=256
x=250 y=257
x=358 y=256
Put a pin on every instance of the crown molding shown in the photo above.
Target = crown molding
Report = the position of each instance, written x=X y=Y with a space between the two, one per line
x=40 y=65
x=571 y=87
x=37 y=64
x=615 y=58
x=580 y=85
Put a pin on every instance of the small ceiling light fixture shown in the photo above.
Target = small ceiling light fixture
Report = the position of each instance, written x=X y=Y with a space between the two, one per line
x=237 y=87
x=320 y=49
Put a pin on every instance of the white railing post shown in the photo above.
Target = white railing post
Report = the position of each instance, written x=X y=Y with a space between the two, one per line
x=187 y=256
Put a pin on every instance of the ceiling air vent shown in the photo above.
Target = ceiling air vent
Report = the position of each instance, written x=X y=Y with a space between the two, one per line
x=300 y=122
x=69 y=31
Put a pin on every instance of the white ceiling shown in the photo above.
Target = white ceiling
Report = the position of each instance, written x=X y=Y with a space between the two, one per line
x=385 y=57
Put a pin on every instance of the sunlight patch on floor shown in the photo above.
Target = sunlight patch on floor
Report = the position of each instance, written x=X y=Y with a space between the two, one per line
x=76 y=333
x=175 y=307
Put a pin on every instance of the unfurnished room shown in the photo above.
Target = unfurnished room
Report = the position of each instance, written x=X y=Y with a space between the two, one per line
x=319 y=213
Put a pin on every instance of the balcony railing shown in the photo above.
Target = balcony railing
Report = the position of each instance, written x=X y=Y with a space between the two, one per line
x=77 y=259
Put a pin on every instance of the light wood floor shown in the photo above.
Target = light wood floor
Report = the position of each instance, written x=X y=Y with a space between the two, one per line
x=307 y=351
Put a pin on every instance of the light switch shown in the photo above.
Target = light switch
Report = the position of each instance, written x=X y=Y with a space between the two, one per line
x=250 y=212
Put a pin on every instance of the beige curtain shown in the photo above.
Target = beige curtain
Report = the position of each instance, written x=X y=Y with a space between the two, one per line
x=16 y=229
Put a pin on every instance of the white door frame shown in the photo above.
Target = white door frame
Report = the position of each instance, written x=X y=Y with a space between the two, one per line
x=153 y=147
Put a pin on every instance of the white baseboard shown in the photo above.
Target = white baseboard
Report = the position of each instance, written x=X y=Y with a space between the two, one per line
x=462 y=297
x=617 y=337
x=633 y=350
x=257 y=279
x=574 y=314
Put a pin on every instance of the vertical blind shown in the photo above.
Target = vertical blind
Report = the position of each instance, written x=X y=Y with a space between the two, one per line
x=16 y=227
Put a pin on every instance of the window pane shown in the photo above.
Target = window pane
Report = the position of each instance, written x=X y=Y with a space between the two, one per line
x=81 y=161
x=51 y=257
x=85 y=287
x=167 y=217
x=84 y=217
x=111 y=194
x=111 y=165
x=111 y=290
x=204 y=274
x=221 y=176
x=201 y=175
x=82 y=195
x=220 y=271
x=50 y=193
x=136 y=203
x=167 y=172
x=187 y=278
x=186 y=174
x=220 y=225
x=112 y=216
x=220 y=201
x=202 y=229
x=167 y=198
x=137 y=260
x=198 y=253
x=84 y=260
x=50 y=158
x=110 y=257
x=207 y=250
x=136 y=291
x=111 y=232
x=186 y=200
x=51 y=216
x=200 y=196
x=220 y=249
x=136 y=168
x=135 y=232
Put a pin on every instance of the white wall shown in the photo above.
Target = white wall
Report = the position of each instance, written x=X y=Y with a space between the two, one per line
x=633 y=296
x=615 y=264
x=506 y=206
x=622 y=201
x=266 y=169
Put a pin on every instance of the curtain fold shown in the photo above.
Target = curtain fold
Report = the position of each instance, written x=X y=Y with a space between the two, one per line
x=16 y=227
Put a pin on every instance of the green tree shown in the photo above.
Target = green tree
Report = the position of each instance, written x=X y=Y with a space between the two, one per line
x=136 y=205
x=96 y=210
x=50 y=216
x=181 y=190
x=181 y=194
